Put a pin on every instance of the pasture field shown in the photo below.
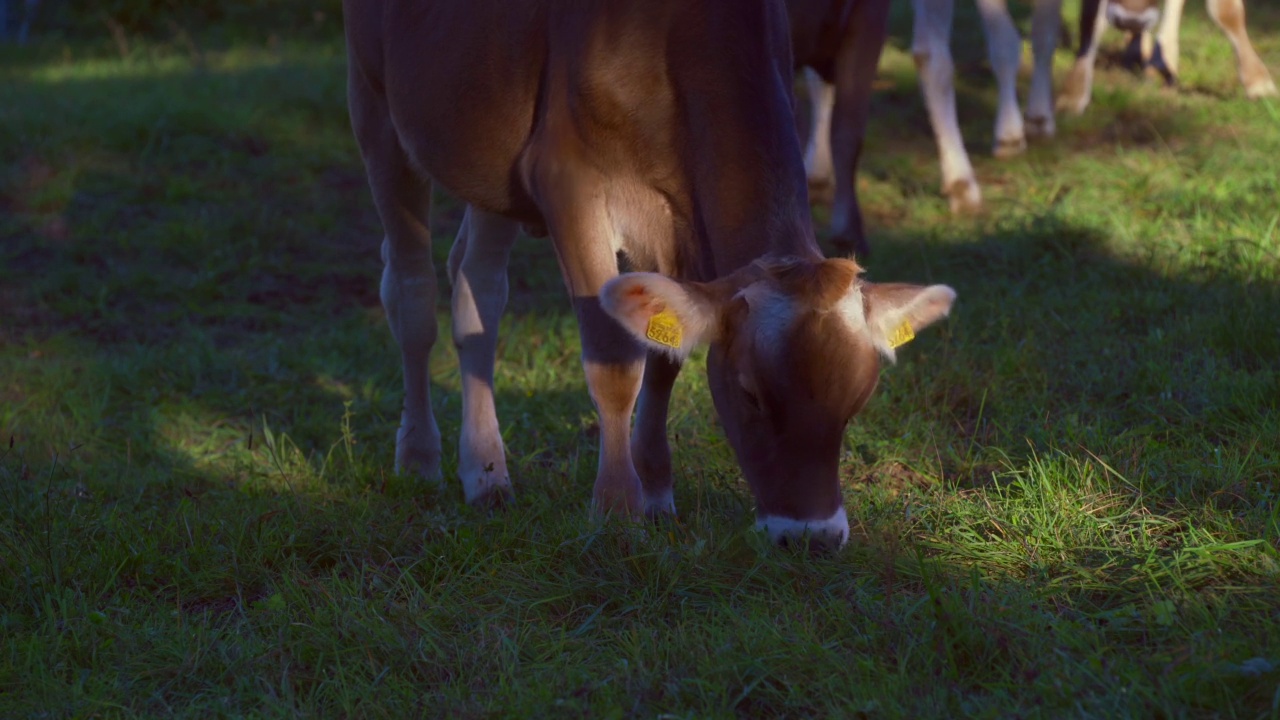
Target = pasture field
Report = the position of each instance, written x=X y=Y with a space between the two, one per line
x=1065 y=499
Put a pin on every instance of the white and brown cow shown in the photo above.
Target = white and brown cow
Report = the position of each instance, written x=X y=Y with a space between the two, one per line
x=1139 y=18
x=660 y=128
x=931 y=47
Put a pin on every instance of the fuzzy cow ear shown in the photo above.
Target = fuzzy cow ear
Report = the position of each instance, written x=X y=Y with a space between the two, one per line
x=896 y=312
x=662 y=313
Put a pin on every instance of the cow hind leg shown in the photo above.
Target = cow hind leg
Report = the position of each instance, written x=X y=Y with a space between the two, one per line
x=649 y=446
x=817 y=154
x=478 y=271
x=1229 y=16
x=1167 y=37
x=1004 y=46
x=1078 y=88
x=408 y=289
x=408 y=292
x=930 y=48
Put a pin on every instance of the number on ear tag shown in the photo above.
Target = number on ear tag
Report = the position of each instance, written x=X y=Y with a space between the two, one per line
x=903 y=335
x=664 y=329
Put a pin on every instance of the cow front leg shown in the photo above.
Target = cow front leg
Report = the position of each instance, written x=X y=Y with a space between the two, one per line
x=649 y=446
x=478 y=271
x=1046 y=21
x=614 y=365
x=931 y=49
x=613 y=360
x=1229 y=16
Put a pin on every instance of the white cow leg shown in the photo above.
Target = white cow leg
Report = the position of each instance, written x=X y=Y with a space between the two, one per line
x=1004 y=46
x=478 y=270
x=1168 y=34
x=1229 y=15
x=1046 y=21
x=1078 y=89
x=817 y=156
x=931 y=49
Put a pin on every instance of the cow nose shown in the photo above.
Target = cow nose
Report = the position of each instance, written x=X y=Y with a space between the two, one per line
x=1127 y=20
x=819 y=536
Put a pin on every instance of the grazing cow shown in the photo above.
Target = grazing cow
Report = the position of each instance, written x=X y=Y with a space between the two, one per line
x=931 y=46
x=1139 y=18
x=838 y=43
x=660 y=128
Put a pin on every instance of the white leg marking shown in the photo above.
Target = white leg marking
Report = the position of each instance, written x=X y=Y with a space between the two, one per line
x=834 y=529
x=1168 y=34
x=931 y=47
x=817 y=156
x=479 y=297
x=1004 y=46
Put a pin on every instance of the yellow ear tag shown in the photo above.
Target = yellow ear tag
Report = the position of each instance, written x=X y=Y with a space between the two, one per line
x=903 y=335
x=664 y=329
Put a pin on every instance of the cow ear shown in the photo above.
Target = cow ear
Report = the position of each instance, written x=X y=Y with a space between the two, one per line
x=896 y=312
x=662 y=313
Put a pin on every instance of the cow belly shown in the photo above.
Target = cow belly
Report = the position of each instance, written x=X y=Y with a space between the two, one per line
x=462 y=82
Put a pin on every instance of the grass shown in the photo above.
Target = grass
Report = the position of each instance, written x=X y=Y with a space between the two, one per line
x=1065 y=500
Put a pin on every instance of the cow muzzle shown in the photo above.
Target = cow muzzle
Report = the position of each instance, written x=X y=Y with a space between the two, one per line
x=1128 y=20
x=819 y=536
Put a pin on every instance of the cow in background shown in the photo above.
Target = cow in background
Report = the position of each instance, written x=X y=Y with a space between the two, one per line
x=838 y=44
x=1139 y=19
x=931 y=47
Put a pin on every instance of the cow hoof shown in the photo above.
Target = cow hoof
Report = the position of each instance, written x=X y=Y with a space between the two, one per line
x=1010 y=147
x=1072 y=104
x=415 y=461
x=1260 y=89
x=815 y=545
x=964 y=196
x=1040 y=128
x=822 y=189
x=660 y=507
x=495 y=497
x=625 y=499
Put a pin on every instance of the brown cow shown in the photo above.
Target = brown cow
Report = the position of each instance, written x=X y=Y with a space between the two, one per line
x=838 y=43
x=660 y=128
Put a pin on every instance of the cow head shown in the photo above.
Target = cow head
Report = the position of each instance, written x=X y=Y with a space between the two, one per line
x=795 y=354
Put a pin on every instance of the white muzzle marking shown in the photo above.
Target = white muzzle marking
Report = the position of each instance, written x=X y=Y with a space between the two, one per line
x=834 y=530
x=1123 y=19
